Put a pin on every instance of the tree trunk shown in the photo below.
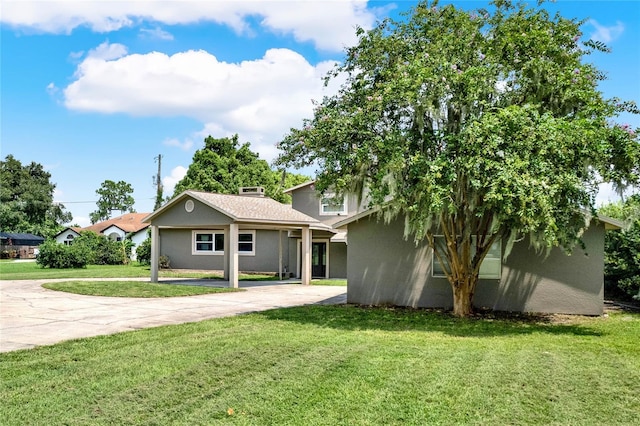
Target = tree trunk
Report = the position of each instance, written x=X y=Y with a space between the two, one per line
x=462 y=296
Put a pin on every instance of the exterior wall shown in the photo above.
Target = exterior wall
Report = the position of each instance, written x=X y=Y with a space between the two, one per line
x=384 y=268
x=177 y=245
x=113 y=233
x=307 y=201
x=64 y=236
x=137 y=239
x=201 y=216
x=337 y=260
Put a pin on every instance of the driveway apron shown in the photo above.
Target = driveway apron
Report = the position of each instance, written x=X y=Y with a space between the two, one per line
x=31 y=315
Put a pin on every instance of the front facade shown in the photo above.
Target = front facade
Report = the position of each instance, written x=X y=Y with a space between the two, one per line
x=231 y=233
x=386 y=268
x=330 y=250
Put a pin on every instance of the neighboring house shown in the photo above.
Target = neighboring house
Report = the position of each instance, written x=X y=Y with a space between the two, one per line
x=19 y=245
x=386 y=268
x=247 y=232
x=67 y=235
x=116 y=229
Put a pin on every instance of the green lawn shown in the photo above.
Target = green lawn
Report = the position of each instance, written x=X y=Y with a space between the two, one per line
x=31 y=271
x=335 y=365
x=132 y=289
x=338 y=282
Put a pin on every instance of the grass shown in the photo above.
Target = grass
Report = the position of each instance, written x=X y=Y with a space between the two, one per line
x=337 y=365
x=132 y=289
x=31 y=271
x=337 y=282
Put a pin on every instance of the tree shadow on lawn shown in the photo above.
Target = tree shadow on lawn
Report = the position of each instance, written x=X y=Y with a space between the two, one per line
x=483 y=324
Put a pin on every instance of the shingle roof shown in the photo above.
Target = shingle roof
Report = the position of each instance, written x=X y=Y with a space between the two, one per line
x=242 y=208
x=129 y=222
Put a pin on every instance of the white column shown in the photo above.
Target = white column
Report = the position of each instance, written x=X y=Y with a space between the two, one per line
x=225 y=258
x=155 y=253
x=233 y=255
x=280 y=253
x=306 y=256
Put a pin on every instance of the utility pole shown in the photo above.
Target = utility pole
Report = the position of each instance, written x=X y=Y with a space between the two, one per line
x=158 y=183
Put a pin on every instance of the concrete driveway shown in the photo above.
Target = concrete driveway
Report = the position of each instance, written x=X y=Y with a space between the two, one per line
x=31 y=315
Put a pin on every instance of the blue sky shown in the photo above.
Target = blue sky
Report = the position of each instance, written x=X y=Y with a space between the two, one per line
x=94 y=90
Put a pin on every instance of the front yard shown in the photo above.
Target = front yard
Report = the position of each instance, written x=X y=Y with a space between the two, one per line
x=336 y=365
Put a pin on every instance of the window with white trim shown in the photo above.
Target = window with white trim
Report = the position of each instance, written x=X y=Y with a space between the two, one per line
x=491 y=267
x=212 y=242
x=331 y=205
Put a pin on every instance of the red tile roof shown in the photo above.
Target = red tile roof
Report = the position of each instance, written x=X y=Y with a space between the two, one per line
x=130 y=222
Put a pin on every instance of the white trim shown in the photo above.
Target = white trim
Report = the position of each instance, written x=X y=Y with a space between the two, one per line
x=253 y=242
x=344 y=211
x=482 y=276
x=214 y=252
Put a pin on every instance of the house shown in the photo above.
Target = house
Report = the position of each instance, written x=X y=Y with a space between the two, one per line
x=329 y=255
x=129 y=225
x=386 y=268
x=19 y=245
x=248 y=232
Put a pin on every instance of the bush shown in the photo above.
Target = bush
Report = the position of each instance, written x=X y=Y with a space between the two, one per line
x=104 y=251
x=164 y=262
x=59 y=256
x=622 y=262
x=143 y=252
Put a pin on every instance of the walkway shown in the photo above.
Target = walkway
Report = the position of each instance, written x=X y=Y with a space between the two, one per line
x=31 y=315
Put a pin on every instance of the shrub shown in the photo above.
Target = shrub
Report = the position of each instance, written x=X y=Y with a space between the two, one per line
x=104 y=251
x=143 y=252
x=59 y=256
x=164 y=262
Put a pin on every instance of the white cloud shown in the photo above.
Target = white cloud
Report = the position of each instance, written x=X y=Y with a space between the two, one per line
x=107 y=51
x=327 y=24
x=52 y=89
x=183 y=145
x=156 y=33
x=606 y=34
x=260 y=99
x=169 y=182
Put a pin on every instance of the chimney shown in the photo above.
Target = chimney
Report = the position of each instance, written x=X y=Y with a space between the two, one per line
x=251 y=191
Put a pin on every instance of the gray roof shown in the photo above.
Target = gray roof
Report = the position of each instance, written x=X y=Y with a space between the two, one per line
x=243 y=208
x=302 y=185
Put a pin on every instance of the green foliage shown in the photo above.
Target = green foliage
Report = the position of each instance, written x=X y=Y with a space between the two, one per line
x=133 y=289
x=223 y=166
x=622 y=249
x=164 y=262
x=482 y=123
x=143 y=252
x=103 y=251
x=26 y=199
x=59 y=256
x=113 y=196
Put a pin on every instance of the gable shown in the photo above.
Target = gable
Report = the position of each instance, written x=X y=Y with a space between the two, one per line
x=177 y=215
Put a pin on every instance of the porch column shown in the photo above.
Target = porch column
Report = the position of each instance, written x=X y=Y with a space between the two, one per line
x=233 y=255
x=306 y=256
x=280 y=253
x=155 y=253
x=225 y=257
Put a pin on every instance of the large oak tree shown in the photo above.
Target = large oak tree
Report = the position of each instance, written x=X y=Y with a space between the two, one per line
x=478 y=126
x=26 y=199
x=223 y=166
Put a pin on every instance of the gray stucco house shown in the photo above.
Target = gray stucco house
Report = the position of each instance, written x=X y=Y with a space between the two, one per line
x=250 y=232
x=385 y=268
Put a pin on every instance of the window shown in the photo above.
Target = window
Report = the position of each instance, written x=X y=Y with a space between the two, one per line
x=331 y=205
x=491 y=267
x=246 y=242
x=69 y=240
x=212 y=242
